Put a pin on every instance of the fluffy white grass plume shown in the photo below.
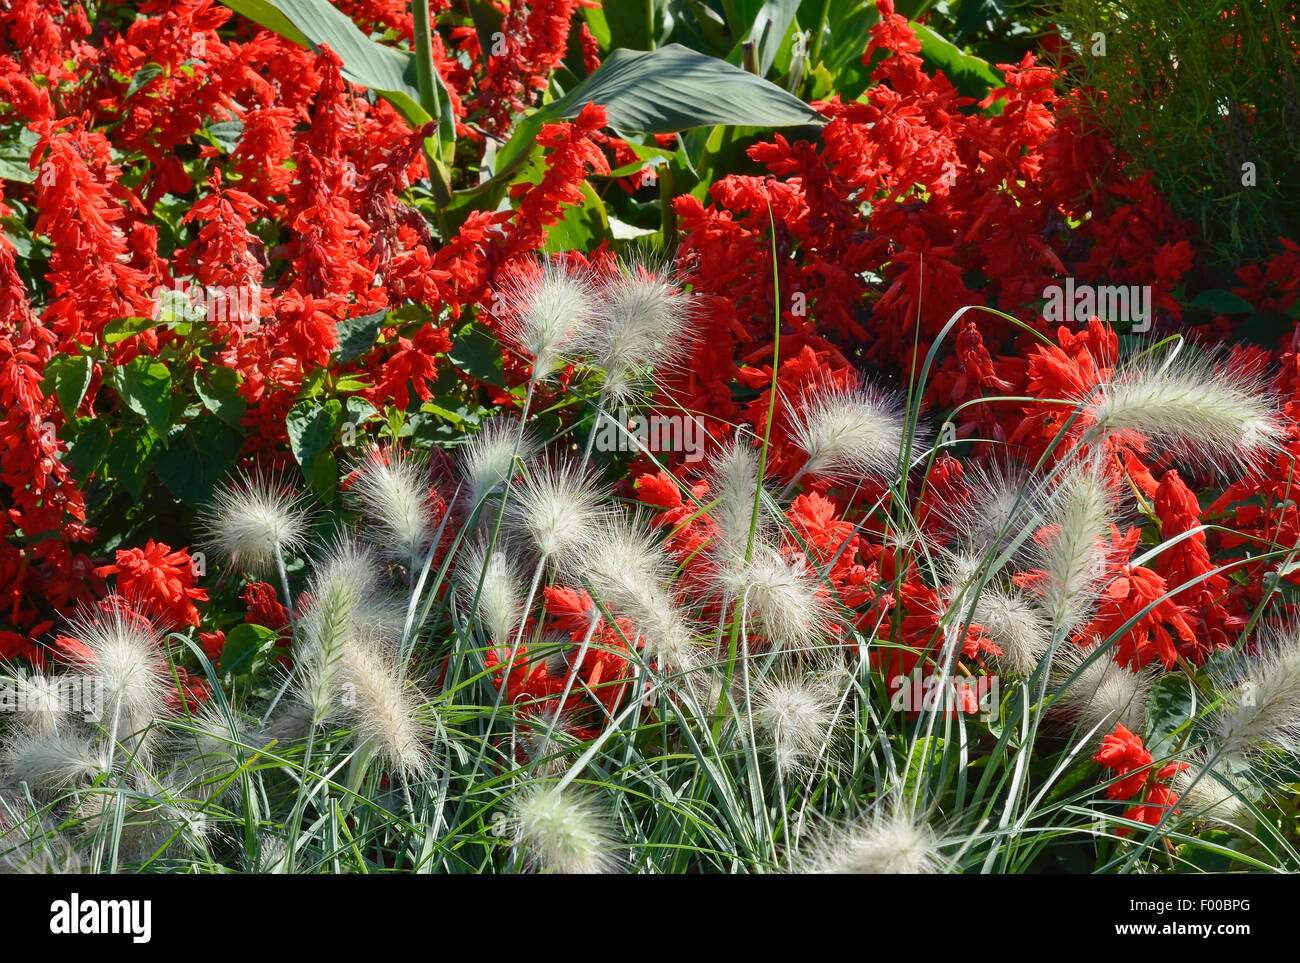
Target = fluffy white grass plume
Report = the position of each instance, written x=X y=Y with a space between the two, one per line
x=848 y=433
x=734 y=483
x=207 y=750
x=556 y=507
x=1103 y=693
x=1191 y=410
x=384 y=710
x=795 y=714
x=500 y=603
x=1003 y=510
x=488 y=460
x=559 y=832
x=44 y=700
x=1262 y=702
x=628 y=571
x=391 y=489
x=1073 y=554
x=254 y=522
x=1213 y=796
x=1016 y=625
x=780 y=598
x=885 y=841
x=644 y=323
x=52 y=760
x=345 y=606
x=546 y=308
x=123 y=652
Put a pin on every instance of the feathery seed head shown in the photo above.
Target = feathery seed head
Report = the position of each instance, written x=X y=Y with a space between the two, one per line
x=254 y=522
x=547 y=307
x=1262 y=697
x=796 y=714
x=53 y=760
x=882 y=843
x=489 y=460
x=556 y=507
x=644 y=323
x=1214 y=796
x=1015 y=625
x=384 y=710
x=848 y=433
x=780 y=599
x=734 y=481
x=1103 y=693
x=391 y=489
x=1190 y=409
x=122 y=652
x=1073 y=555
x=500 y=596
x=560 y=832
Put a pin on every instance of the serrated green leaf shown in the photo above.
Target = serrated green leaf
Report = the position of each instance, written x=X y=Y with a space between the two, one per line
x=142 y=77
x=146 y=389
x=130 y=455
x=219 y=392
x=476 y=351
x=68 y=376
x=357 y=335
x=311 y=428
x=198 y=456
x=88 y=448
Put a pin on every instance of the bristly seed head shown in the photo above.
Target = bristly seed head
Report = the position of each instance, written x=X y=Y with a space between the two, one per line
x=560 y=833
x=254 y=522
x=546 y=309
x=643 y=324
x=392 y=489
x=848 y=433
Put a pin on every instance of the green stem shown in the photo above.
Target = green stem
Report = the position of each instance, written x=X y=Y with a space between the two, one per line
x=734 y=641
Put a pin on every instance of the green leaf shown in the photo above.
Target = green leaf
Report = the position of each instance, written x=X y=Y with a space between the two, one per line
x=323 y=476
x=124 y=328
x=314 y=23
x=476 y=351
x=248 y=648
x=971 y=75
x=142 y=77
x=768 y=30
x=219 y=393
x=16 y=155
x=69 y=377
x=87 y=451
x=311 y=428
x=663 y=91
x=146 y=389
x=226 y=134
x=357 y=335
x=198 y=456
x=129 y=457
x=1171 y=707
x=583 y=226
x=1223 y=302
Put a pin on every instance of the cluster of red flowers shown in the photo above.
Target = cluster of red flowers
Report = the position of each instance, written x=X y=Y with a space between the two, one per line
x=1124 y=752
x=310 y=154
x=915 y=202
x=591 y=687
